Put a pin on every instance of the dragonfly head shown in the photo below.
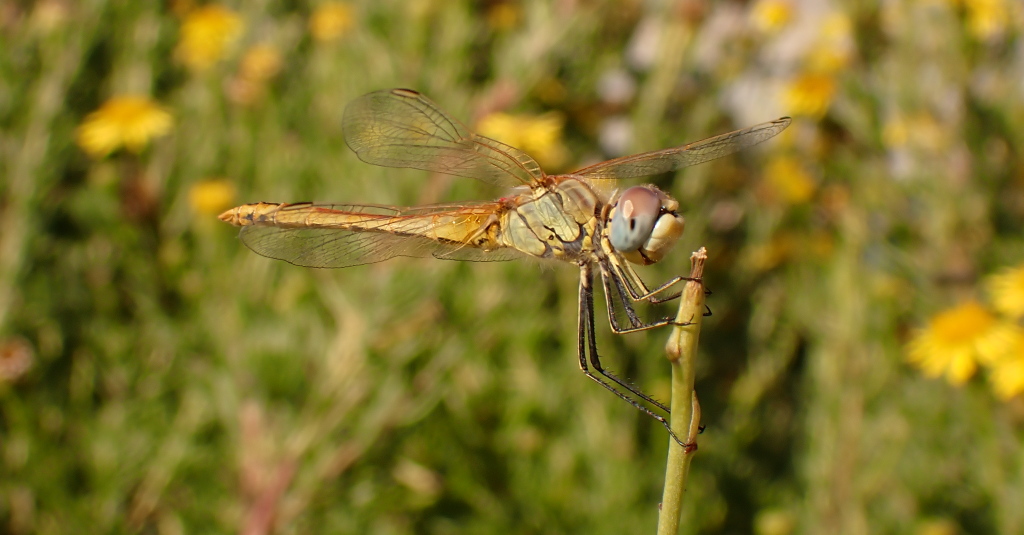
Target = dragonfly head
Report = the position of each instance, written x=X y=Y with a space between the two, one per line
x=645 y=225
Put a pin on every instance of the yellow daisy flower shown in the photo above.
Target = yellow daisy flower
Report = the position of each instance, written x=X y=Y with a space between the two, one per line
x=1007 y=375
x=126 y=121
x=833 y=49
x=331 y=20
x=770 y=16
x=895 y=132
x=211 y=196
x=260 y=62
x=987 y=19
x=788 y=180
x=828 y=58
x=539 y=135
x=837 y=28
x=1007 y=291
x=918 y=131
x=206 y=34
x=956 y=340
x=810 y=95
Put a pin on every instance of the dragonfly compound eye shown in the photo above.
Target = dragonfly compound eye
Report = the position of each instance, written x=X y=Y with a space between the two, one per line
x=645 y=225
x=635 y=216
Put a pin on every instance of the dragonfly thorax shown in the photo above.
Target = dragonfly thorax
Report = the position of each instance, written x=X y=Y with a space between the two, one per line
x=644 y=224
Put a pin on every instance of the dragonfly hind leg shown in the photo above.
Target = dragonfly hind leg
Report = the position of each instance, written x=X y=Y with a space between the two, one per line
x=587 y=343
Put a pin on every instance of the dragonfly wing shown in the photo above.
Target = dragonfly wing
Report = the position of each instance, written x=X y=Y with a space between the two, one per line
x=663 y=161
x=402 y=128
x=329 y=248
x=473 y=254
x=385 y=237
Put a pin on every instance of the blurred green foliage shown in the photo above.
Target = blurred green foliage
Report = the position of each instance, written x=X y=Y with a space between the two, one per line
x=177 y=383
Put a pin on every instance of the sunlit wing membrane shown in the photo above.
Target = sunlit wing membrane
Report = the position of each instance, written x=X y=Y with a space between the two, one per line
x=364 y=234
x=663 y=161
x=402 y=128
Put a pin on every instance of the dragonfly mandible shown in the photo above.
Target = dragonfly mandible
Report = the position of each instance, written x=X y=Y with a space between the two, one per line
x=562 y=217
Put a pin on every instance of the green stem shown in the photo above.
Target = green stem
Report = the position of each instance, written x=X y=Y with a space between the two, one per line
x=681 y=351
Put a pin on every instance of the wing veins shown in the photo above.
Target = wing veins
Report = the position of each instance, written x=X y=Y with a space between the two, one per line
x=402 y=128
x=671 y=159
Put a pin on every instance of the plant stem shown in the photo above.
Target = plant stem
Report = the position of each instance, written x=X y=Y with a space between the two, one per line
x=681 y=351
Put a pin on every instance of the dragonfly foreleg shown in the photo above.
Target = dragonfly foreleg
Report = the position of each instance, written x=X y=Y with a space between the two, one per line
x=638 y=289
x=610 y=279
x=607 y=280
x=659 y=300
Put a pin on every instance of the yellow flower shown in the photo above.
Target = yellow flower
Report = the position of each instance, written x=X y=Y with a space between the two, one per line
x=206 y=34
x=539 y=136
x=128 y=121
x=895 y=132
x=770 y=16
x=810 y=95
x=919 y=131
x=987 y=19
x=260 y=62
x=1007 y=291
x=330 y=21
x=826 y=59
x=834 y=48
x=211 y=196
x=956 y=340
x=1007 y=375
x=789 y=180
x=837 y=28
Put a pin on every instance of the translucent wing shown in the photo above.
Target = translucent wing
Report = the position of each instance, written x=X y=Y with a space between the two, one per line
x=662 y=161
x=402 y=128
x=366 y=234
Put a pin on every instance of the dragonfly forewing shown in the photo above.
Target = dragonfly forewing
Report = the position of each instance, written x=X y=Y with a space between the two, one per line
x=663 y=161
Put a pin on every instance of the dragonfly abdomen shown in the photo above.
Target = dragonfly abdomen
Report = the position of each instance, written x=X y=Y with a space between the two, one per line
x=294 y=215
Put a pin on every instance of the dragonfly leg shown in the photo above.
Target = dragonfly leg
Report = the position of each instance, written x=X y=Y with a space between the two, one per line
x=638 y=290
x=588 y=342
x=606 y=280
x=609 y=279
x=650 y=296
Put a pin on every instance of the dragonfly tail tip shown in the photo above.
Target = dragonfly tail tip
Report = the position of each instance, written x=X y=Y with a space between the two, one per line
x=229 y=216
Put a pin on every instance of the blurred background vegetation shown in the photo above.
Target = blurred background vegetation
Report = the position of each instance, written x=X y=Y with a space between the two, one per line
x=859 y=373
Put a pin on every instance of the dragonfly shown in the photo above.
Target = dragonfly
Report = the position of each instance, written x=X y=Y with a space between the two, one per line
x=569 y=217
